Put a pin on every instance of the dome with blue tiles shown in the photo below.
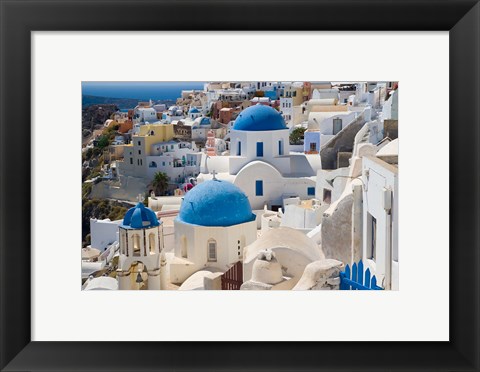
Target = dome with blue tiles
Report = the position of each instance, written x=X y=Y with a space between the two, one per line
x=140 y=217
x=215 y=203
x=201 y=122
x=205 y=121
x=194 y=110
x=259 y=118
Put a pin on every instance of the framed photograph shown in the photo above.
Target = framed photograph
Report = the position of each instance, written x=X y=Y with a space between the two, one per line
x=230 y=176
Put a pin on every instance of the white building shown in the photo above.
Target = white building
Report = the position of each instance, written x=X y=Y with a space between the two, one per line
x=103 y=233
x=380 y=216
x=260 y=162
x=200 y=128
x=143 y=114
x=326 y=93
x=194 y=113
x=302 y=215
x=160 y=107
x=323 y=126
x=214 y=225
x=177 y=159
x=173 y=113
x=390 y=108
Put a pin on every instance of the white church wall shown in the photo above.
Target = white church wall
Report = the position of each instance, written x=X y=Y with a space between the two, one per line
x=273 y=184
x=197 y=238
x=249 y=140
x=236 y=164
x=219 y=164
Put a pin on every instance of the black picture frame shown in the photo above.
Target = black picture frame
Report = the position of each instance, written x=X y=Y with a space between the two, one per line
x=20 y=17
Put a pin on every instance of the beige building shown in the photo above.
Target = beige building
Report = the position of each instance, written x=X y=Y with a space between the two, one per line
x=292 y=96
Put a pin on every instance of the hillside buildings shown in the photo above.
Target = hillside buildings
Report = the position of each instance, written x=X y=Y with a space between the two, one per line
x=246 y=209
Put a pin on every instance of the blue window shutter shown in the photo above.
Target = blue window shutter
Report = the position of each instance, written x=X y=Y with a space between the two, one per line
x=259 y=149
x=311 y=191
x=259 y=188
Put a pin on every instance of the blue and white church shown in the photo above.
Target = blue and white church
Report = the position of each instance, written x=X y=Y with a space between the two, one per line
x=214 y=225
x=260 y=162
x=141 y=245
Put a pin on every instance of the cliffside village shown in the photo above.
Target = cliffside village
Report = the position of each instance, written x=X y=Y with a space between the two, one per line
x=250 y=186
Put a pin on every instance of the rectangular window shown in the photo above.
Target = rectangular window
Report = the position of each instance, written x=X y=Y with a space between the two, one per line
x=313 y=146
x=163 y=163
x=327 y=196
x=139 y=152
x=372 y=253
x=280 y=148
x=259 y=149
x=337 y=125
x=259 y=188
x=212 y=251
x=131 y=160
x=239 y=148
x=311 y=191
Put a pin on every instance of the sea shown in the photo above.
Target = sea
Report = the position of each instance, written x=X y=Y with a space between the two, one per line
x=166 y=90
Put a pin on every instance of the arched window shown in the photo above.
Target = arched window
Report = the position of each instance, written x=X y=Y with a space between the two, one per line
x=151 y=243
x=212 y=250
x=136 y=245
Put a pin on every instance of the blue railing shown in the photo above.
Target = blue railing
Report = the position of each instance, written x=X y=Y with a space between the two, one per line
x=355 y=279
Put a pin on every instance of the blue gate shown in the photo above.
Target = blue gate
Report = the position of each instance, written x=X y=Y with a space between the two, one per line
x=355 y=280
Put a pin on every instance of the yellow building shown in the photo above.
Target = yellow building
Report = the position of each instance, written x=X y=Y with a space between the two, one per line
x=134 y=162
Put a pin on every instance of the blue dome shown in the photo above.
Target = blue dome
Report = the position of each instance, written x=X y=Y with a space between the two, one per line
x=215 y=203
x=140 y=217
x=205 y=121
x=259 y=118
x=194 y=110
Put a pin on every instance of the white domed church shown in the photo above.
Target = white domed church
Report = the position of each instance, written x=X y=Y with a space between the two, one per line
x=141 y=243
x=214 y=225
x=260 y=162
